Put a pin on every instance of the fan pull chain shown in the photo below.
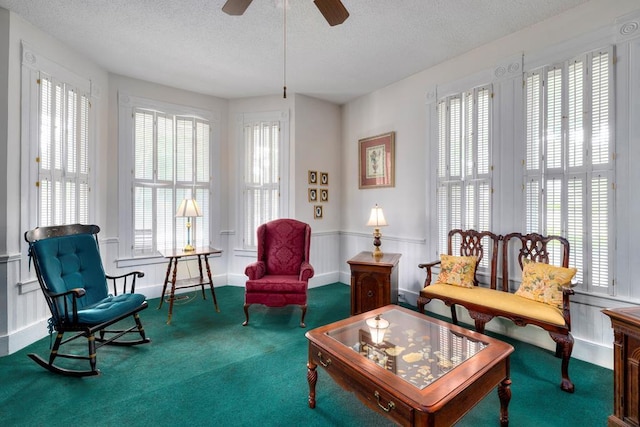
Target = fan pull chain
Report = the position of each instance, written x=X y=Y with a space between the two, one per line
x=284 y=68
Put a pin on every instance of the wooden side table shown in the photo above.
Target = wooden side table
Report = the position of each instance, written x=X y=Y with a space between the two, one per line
x=626 y=366
x=174 y=256
x=374 y=282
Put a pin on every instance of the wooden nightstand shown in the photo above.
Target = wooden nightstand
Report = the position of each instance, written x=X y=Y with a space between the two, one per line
x=626 y=359
x=374 y=282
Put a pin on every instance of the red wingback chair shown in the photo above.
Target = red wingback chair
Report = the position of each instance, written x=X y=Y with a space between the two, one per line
x=281 y=275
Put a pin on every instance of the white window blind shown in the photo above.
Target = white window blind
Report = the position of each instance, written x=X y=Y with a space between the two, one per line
x=171 y=163
x=569 y=161
x=261 y=192
x=464 y=164
x=63 y=146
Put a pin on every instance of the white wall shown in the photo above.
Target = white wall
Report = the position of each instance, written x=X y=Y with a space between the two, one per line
x=24 y=312
x=407 y=107
x=4 y=177
x=317 y=147
x=313 y=144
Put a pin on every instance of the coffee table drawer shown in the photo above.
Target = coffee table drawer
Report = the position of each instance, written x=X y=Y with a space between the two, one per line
x=367 y=390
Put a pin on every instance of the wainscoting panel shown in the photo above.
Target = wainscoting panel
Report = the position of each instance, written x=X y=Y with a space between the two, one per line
x=26 y=309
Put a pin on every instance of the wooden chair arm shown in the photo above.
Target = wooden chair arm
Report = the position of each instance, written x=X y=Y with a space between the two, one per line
x=428 y=266
x=133 y=274
x=566 y=312
x=61 y=310
x=77 y=293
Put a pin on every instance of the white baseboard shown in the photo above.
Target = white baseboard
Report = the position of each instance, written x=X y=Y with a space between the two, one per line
x=20 y=339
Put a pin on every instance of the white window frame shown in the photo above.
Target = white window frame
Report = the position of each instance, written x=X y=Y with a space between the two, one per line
x=464 y=191
x=128 y=105
x=245 y=121
x=549 y=174
x=35 y=68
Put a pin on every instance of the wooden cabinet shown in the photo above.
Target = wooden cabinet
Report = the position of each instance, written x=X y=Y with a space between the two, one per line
x=374 y=281
x=626 y=366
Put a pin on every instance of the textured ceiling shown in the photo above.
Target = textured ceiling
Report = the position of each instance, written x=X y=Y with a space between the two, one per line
x=193 y=45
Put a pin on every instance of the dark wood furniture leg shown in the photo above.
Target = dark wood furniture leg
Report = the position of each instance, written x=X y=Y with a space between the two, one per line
x=504 y=393
x=312 y=379
x=172 y=296
x=201 y=276
x=566 y=343
x=166 y=280
x=213 y=292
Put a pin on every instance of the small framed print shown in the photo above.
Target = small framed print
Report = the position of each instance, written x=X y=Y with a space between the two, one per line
x=324 y=195
x=317 y=212
x=376 y=161
x=324 y=178
x=313 y=195
x=313 y=177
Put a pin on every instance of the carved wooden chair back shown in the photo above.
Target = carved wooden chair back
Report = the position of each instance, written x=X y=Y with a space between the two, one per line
x=481 y=244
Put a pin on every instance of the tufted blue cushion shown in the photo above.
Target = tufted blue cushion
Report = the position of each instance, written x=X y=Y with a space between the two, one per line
x=71 y=262
x=109 y=308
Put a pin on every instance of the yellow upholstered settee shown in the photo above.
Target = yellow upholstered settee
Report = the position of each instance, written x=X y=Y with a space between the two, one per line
x=541 y=299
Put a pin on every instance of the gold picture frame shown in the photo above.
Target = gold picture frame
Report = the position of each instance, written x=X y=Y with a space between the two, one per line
x=317 y=212
x=324 y=195
x=324 y=178
x=313 y=177
x=313 y=195
x=376 y=161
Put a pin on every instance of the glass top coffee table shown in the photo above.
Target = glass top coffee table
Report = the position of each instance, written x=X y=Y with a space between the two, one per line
x=414 y=369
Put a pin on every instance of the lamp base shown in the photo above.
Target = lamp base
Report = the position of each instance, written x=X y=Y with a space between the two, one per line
x=377 y=253
x=188 y=248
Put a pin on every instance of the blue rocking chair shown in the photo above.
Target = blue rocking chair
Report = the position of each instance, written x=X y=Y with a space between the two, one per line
x=69 y=269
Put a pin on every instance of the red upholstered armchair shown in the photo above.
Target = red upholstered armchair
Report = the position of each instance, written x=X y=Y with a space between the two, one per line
x=280 y=276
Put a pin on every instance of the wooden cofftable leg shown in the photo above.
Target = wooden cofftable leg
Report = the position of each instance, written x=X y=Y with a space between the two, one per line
x=312 y=378
x=504 y=393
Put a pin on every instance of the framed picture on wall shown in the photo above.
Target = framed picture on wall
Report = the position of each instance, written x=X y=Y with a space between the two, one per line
x=313 y=177
x=324 y=194
x=317 y=212
x=313 y=195
x=324 y=178
x=376 y=162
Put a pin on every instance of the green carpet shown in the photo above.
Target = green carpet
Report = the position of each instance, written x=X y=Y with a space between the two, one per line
x=207 y=369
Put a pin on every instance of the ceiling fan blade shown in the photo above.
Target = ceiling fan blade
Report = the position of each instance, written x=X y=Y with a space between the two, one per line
x=333 y=11
x=236 y=7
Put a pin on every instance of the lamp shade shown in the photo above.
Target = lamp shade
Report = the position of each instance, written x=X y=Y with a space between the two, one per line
x=377 y=328
x=377 y=217
x=188 y=208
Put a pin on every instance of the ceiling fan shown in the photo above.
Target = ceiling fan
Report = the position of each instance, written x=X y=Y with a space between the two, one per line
x=333 y=10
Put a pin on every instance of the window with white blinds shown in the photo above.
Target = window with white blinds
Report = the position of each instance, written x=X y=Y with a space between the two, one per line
x=464 y=164
x=261 y=184
x=171 y=163
x=568 y=166
x=63 y=153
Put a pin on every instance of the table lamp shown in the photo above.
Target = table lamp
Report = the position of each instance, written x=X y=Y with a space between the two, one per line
x=377 y=220
x=188 y=208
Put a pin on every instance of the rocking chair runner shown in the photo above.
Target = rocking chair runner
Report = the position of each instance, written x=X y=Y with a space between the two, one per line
x=69 y=269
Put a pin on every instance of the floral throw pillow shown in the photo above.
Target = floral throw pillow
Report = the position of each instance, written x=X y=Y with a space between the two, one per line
x=543 y=282
x=457 y=270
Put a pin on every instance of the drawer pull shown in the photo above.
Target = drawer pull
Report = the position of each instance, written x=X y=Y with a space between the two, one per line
x=389 y=406
x=325 y=364
x=370 y=294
